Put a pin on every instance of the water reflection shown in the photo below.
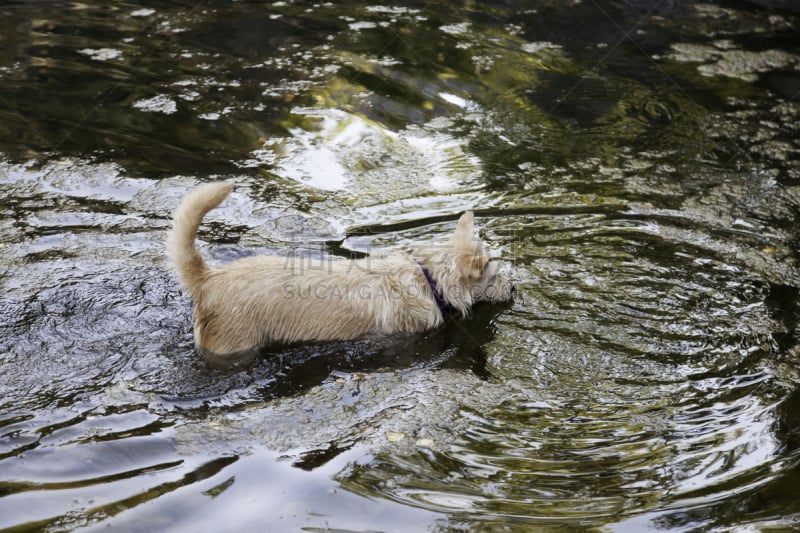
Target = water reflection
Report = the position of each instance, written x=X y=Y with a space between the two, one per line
x=633 y=161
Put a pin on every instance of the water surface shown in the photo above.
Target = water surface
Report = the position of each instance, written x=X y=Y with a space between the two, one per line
x=635 y=162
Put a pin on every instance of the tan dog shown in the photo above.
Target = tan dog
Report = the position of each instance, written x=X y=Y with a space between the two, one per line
x=243 y=305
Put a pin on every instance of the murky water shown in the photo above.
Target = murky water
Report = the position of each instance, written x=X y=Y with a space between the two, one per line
x=636 y=162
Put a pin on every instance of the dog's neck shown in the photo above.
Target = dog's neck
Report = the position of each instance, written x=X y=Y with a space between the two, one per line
x=441 y=303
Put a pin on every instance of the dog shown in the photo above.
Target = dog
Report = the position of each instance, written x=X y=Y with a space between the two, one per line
x=241 y=306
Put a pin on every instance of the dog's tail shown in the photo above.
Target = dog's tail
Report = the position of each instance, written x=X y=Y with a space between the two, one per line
x=180 y=240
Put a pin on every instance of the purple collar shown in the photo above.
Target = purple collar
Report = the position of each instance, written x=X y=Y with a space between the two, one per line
x=441 y=303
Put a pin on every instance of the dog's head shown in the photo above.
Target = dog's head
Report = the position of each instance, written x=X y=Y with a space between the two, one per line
x=464 y=272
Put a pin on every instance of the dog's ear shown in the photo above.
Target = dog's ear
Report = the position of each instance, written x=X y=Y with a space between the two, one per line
x=472 y=267
x=465 y=232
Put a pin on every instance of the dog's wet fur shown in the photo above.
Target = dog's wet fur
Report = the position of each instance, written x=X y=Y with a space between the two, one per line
x=243 y=305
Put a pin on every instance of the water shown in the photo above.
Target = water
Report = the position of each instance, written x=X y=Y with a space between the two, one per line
x=635 y=162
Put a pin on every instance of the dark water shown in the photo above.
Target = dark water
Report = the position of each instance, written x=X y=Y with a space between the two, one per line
x=636 y=162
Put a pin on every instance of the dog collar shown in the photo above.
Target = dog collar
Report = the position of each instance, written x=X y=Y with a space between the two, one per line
x=441 y=303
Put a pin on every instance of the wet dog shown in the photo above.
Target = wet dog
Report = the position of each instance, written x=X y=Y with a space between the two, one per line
x=245 y=304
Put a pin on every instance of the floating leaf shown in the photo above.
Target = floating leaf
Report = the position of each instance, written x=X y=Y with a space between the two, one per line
x=395 y=436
